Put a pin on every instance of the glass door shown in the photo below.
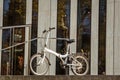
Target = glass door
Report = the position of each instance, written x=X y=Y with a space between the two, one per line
x=6 y=54
x=13 y=51
x=18 y=51
x=14 y=15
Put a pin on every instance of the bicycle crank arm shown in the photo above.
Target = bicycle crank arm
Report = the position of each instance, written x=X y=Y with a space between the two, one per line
x=70 y=64
x=73 y=65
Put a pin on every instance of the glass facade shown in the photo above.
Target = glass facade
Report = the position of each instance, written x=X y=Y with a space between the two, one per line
x=63 y=26
x=18 y=51
x=6 y=55
x=34 y=26
x=84 y=27
x=102 y=37
x=14 y=14
x=13 y=58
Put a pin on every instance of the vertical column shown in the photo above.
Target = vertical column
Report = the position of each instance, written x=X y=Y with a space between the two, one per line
x=27 y=36
x=43 y=22
x=109 y=37
x=73 y=25
x=94 y=37
x=1 y=22
x=43 y=19
x=117 y=38
x=53 y=18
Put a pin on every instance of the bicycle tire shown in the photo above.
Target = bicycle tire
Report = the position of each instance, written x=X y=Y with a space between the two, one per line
x=81 y=66
x=42 y=67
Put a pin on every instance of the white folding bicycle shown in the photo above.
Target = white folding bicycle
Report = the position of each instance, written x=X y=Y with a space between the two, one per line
x=39 y=63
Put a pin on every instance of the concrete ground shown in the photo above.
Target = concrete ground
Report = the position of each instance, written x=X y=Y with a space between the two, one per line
x=60 y=77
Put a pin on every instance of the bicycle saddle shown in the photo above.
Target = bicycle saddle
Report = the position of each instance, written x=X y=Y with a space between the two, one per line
x=70 y=40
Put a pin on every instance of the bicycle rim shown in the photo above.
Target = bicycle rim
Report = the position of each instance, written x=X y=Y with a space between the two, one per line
x=41 y=68
x=80 y=66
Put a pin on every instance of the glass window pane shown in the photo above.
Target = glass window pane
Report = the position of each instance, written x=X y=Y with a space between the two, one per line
x=5 y=62
x=34 y=26
x=13 y=58
x=84 y=27
x=102 y=37
x=18 y=60
x=18 y=55
x=63 y=23
x=6 y=38
x=6 y=54
x=14 y=12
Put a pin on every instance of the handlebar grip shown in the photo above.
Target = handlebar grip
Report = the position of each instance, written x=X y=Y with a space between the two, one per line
x=44 y=31
x=48 y=30
x=52 y=28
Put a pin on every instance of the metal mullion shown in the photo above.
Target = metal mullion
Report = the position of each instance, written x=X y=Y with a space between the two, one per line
x=12 y=50
x=10 y=60
x=19 y=26
x=1 y=23
x=27 y=35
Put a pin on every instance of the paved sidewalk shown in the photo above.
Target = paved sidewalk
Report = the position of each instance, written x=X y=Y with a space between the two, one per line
x=59 y=77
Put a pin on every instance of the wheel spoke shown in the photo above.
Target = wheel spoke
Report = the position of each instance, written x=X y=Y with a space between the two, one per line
x=80 y=66
x=37 y=67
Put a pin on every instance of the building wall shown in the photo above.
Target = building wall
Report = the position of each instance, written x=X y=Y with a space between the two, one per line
x=47 y=17
x=1 y=21
x=116 y=46
x=110 y=37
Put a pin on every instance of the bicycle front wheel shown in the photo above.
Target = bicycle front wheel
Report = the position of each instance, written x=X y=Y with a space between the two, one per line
x=80 y=65
x=37 y=66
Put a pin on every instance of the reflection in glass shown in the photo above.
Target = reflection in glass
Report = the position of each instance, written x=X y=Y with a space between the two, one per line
x=19 y=35
x=6 y=54
x=34 y=26
x=5 y=62
x=18 y=55
x=12 y=58
x=84 y=27
x=18 y=60
x=14 y=12
x=102 y=37
x=6 y=38
x=63 y=23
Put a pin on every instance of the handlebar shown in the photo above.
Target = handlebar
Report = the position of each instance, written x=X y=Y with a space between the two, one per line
x=48 y=29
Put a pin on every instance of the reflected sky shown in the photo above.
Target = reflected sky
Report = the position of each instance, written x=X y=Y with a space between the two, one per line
x=6 y=5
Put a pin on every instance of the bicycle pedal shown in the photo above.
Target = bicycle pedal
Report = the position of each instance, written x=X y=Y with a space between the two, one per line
x=50 y=64
x=63 y=67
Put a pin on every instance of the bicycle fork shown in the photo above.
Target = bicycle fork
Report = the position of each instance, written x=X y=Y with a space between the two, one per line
x=41 y=60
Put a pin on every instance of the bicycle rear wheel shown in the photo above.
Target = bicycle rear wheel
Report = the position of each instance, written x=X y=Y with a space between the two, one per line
x=80 y=66
x=37 y=66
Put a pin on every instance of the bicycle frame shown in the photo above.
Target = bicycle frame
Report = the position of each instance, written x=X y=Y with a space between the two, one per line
x=76 y=63
x=47 y=50
x=59 y=56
